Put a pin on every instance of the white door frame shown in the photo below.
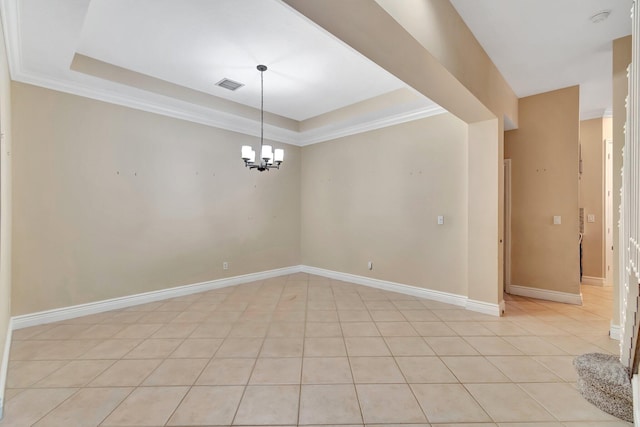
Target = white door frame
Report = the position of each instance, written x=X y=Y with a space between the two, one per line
x=507 y=224
x=608 y=212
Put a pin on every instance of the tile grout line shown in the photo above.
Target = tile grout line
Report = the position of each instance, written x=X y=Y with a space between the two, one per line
x=395 y=361
x=353 y=377
x=118 y=405
x=58 y=405
x=141 y=384
x=538 y=402
x=304 y=337
x=544 y=322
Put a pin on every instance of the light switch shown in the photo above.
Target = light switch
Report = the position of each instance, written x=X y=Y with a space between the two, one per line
x=591 y=218
x=557 y=220
x=440 y=219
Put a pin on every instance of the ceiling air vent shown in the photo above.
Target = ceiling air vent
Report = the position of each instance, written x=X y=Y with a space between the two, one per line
x=229 y=84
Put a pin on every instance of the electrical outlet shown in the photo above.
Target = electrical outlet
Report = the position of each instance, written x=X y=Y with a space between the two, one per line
x=225 y=265
x=370 y=265
x=440 y=219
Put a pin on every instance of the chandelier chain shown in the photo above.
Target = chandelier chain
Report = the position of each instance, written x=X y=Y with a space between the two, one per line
x=269 y=158
x=261 y=109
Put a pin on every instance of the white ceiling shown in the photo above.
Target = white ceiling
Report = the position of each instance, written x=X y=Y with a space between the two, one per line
x=538 y=45
x=196 y=43
x=543 y=45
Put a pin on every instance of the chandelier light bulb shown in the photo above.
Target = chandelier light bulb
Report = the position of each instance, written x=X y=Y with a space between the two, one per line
x=278 y=155
x=269 y=158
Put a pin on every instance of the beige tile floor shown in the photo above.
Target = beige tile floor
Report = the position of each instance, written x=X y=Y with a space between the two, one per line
x=304 y=350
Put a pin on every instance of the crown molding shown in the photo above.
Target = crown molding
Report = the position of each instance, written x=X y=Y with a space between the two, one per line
x=162 y=105
x=171 y=107
x=190 y=112
x=323 y=134
x=10 y=23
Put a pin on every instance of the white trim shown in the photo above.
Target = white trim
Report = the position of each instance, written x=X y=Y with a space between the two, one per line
x=415 y=291
x=545 y=294
x=166 y=106
x=506 y=238
x=635 y=386
x=484 y=307
x=615 y=332
x=64 y=313
x=594 y=281
x=5 y=365
x=321 y=135
x=180 y=109
x=445 y=297
x=607 y=200
x=10 y=23
x=206 y=116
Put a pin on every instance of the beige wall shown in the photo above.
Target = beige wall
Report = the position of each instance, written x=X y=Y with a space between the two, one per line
x=592 y=196
x=544 y=162
x=111 y=201
x=485 y=235
x=450 y=82
x=376 y=197
x=5 y=197
x=621 y=60
x=444 y=62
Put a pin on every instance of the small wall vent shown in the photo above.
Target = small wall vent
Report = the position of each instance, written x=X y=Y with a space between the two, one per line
x=229 y=84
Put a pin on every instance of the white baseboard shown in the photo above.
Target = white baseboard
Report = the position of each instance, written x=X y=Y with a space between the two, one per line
x=58 y=314
x=526 y=291
x=55 y=315
x=445 y=297
x=5 y=365
x=593 y=281
x=484 y=307
x=615 y=332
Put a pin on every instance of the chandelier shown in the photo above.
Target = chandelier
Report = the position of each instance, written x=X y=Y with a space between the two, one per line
x=269 y=158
